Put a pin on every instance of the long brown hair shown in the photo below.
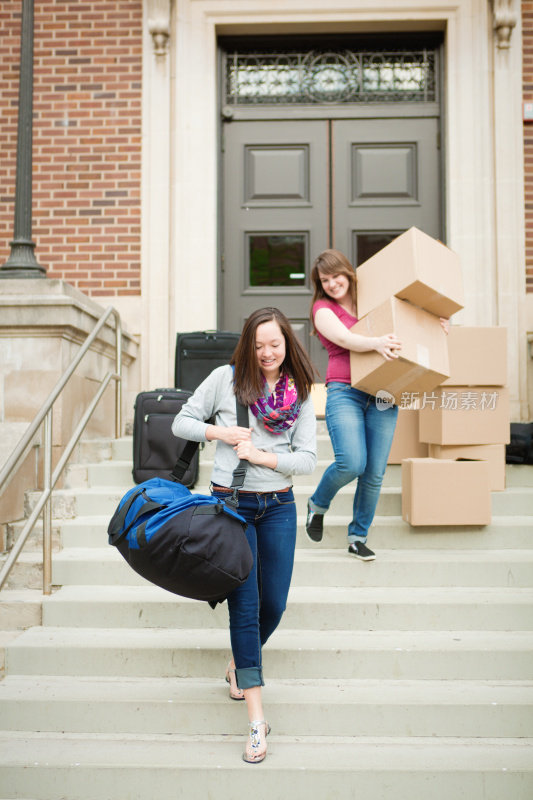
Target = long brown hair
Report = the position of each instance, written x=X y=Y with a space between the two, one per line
x=249 y=379
x=332 y=262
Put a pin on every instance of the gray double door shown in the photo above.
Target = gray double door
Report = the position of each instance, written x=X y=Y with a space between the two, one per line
x=294 y=188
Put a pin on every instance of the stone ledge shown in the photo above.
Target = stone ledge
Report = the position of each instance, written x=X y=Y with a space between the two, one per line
x=52 y=308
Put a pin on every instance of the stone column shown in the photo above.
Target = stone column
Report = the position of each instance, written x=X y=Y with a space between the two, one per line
x=155 y=263
x=509 y=196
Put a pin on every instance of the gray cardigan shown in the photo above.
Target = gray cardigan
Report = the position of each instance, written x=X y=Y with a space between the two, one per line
x=295 y=447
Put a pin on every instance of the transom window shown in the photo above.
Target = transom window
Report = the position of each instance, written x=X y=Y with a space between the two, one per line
x=330 y=76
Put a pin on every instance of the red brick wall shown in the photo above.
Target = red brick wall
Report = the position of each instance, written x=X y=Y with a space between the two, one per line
x=527 y=74
x=86 y=139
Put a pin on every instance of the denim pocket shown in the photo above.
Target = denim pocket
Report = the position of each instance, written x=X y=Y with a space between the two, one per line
x=284 y=499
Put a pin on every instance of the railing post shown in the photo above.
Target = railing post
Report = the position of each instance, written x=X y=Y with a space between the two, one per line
x=47 y=509
x=118 y=370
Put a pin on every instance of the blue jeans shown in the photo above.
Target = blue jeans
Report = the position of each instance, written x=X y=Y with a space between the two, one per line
x=361 y=435
x=256 y=607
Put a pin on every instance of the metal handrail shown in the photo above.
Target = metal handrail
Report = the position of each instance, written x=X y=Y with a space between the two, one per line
x=44 y=415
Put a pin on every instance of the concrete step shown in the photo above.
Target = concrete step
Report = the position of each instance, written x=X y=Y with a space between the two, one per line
x=143 y=652
x=295 y=707
x=325 y=567
x=103 y=500
x=6 y=637
x=100 y=449
x=178 y=767
x=309 y=607
x=20 y=608
x=69 y=503
x=27 y=572
x=390 y=532
x=519 y=475
x=119 y=473
x=515 y=500
x=34 y=542
x=322 y=567
x=122 y=450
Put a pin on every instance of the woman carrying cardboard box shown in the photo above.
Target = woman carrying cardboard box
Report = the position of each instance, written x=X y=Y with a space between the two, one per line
x=361 y=431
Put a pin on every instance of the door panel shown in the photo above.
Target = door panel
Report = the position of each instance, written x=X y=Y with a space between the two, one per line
x=385 y=179
x=276 y=179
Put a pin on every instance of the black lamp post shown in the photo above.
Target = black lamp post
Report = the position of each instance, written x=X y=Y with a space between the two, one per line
x=21 y=262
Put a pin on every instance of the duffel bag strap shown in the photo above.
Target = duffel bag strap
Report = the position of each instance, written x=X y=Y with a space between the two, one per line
x=115 y=536
x=182 y=464
x=119 y=517
x=239 y=473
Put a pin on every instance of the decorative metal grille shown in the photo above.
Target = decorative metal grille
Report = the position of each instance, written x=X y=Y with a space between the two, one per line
x=319 y=76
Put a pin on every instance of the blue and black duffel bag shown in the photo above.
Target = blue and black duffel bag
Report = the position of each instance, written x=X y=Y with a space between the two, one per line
x=193 y=545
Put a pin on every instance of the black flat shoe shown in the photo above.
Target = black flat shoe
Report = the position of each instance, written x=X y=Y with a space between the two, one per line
x=361 y=551
x=314 y=525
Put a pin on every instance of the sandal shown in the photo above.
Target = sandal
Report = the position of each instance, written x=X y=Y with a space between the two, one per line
x=234 y=692
x=254 y=752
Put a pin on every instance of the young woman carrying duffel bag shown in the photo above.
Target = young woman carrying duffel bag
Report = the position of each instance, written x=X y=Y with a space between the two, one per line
x=271 y=374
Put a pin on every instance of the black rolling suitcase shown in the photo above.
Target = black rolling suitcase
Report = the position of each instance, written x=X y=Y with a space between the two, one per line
x=520 y=448
x=155 y=448
x=198 y=353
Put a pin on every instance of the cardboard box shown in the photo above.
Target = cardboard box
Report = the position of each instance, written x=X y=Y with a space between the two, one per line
x=494 y=454
x=406 y=443
x=478 y=356
x=423 y=360
x=465 y=415
x=414 y=267
x=442 y=492
x=318 y=396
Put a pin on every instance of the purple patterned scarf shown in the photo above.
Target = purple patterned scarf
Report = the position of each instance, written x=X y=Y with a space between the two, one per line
x=279 y=410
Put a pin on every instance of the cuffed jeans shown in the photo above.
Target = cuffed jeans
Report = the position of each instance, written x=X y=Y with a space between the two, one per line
x=361 y=435
x=256 y=607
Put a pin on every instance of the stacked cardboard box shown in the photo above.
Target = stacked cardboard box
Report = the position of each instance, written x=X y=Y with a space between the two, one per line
x=406 y=442
x=493 y=454
x=465 y=423
x=470 y=417
x=413 y=267
x=404 y=289
x=445 y=492
x=423 y=360
x=457 y=455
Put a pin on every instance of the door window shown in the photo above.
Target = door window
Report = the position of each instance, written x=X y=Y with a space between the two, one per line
x=276 y=259
x=365 y=245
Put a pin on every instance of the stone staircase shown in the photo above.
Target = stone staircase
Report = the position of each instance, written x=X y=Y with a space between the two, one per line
x=409 y=677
